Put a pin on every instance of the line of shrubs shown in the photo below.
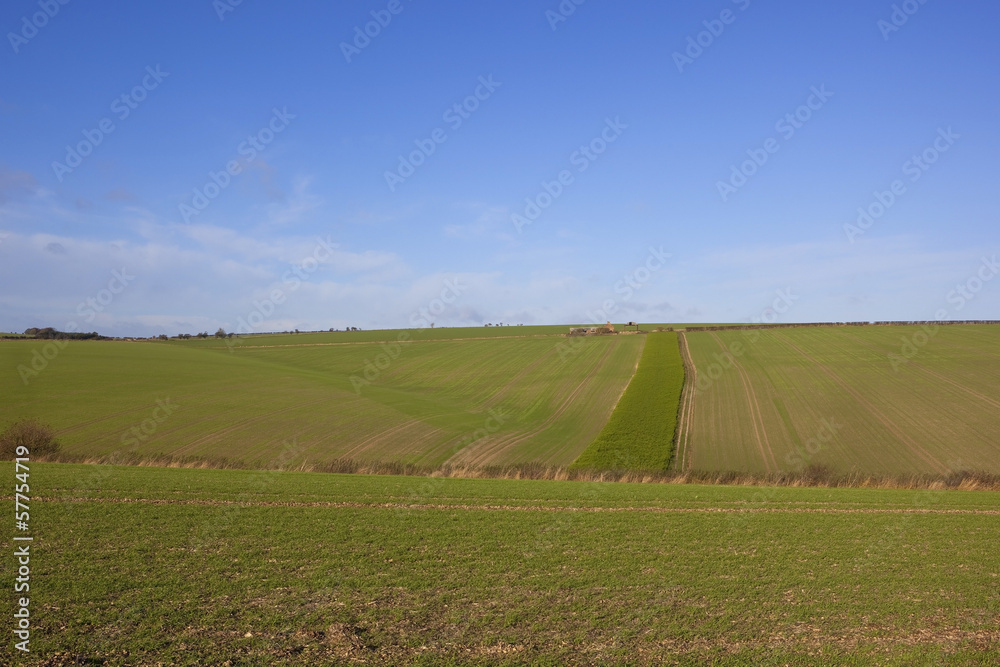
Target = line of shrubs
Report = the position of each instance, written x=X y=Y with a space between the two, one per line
x=810 y=476
x=48 y=333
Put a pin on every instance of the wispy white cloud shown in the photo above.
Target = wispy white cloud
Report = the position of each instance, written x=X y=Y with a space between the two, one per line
x=198 y=277
x=488 y=221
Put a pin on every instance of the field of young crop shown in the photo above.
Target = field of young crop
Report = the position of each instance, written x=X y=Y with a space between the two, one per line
x=170 y=566
x=639 y=435
x=475 y=401
x=877 y=399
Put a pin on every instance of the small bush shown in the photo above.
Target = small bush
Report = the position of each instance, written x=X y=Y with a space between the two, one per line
x=31 y=433
x=816 y=474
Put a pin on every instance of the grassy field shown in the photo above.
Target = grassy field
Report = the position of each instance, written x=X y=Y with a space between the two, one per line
x=639 y=435
x=892 y=400
x=143 y=566
x=887 y=400
x=474 y=401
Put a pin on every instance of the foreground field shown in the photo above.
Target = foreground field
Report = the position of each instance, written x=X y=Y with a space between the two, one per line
x=138 y=566
x=878 y=399
x=472 y=401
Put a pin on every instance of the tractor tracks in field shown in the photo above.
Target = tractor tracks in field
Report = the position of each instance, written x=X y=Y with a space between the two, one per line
x=519 y=508
x=491 y=450
x=74 y=427
x=890 y=425
x=506 y=389
x=760 y=432
x=244 y=423
x=920 y=367
x=682 y=455
x=378 y=437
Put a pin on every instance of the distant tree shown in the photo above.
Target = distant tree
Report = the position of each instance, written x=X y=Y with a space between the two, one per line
x=221 y=333
x=163 y=336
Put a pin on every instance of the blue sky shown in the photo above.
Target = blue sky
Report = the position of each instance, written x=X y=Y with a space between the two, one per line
x=307 y=233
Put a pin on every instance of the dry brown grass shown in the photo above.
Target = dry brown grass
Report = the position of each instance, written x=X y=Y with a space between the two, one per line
x=811 y=476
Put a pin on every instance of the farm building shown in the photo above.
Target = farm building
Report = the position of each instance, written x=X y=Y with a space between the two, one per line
x=592 y=331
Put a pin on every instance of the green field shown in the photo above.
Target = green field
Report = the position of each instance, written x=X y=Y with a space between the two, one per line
x=297 y=399
x=780 y=399
x=851 y=399
x=640 y=433
x=136 y=566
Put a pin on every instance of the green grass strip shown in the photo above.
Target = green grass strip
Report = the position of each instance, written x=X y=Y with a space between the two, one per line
x=640 y=433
